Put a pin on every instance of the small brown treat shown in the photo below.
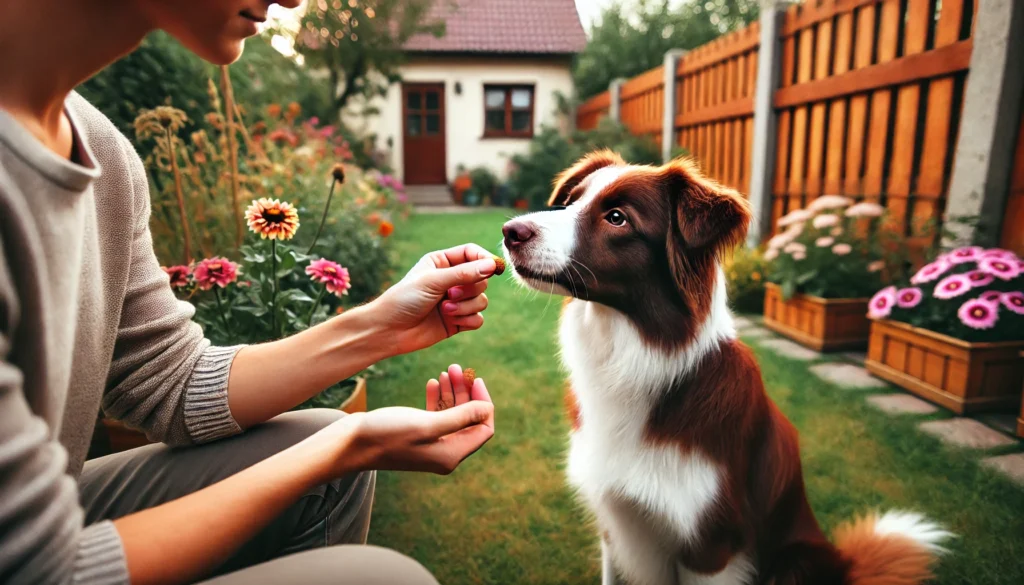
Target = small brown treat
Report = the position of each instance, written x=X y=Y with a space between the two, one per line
x=499 y=266
x=469 y=375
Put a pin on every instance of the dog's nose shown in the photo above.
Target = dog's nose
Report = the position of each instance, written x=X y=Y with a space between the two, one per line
x=517 y=233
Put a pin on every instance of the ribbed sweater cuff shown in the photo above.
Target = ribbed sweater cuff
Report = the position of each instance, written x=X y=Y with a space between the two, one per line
x=207 y=415
x=100 y=559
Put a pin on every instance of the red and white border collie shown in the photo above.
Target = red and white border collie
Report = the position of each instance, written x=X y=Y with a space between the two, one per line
x=692 y=472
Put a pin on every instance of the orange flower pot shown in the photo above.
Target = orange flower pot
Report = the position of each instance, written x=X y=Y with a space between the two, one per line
x=955 y=374
x=818 y=323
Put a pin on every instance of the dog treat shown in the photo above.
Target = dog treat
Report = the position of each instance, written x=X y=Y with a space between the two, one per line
x=469 y=375
x=499 y=266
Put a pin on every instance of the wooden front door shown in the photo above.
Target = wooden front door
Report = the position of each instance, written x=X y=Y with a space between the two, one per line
x=423 y=133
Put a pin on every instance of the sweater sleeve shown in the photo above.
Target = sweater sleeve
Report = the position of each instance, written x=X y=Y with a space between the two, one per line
x=165 y=378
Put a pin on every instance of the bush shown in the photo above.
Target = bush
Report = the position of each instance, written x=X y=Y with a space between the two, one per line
x=551 y=152
x=485 y=182
x=969 y=293
x=745 y=273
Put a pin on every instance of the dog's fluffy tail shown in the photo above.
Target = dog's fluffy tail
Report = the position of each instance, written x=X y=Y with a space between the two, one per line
x=897 y=548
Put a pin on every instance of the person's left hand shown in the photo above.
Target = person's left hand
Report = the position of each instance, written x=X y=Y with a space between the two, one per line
x=441 y=296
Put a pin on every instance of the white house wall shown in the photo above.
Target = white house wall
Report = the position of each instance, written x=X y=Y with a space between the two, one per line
x=464 y=114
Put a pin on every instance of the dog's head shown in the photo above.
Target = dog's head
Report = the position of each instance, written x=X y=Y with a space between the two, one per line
x=642 y=240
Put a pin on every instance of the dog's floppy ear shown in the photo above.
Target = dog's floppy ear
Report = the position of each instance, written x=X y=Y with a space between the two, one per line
x=571 y=177
x=707 y=216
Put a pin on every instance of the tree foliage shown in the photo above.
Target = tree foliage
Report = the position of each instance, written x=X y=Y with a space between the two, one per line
x=359 y=42
x=631 y=38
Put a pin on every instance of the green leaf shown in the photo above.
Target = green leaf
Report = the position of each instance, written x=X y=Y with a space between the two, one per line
x=788 y=289
x=806 y=277
x=252 y=310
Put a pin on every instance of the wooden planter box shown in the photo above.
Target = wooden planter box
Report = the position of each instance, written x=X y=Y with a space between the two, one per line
x=1020 y=419
x=820 y=324
x=121 y=438
x=963 y=377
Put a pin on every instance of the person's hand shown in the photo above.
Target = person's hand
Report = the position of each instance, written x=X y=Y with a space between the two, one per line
x=409 y=439
x=442 y=295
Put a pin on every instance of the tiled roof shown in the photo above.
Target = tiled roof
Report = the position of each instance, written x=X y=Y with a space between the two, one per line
x=504 y=26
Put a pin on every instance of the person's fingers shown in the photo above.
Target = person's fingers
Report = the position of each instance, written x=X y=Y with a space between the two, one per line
x=468 y=323
x=465 y=308
x=479 y=392
x=461 y=293
x=438 y=281
x=433 y=395
x=457 y=418
x=464 y=253
x=447 y=398
x=458 y=384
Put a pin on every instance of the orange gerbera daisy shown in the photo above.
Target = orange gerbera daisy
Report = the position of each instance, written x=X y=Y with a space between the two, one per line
x=272 y=219
x=385 y=228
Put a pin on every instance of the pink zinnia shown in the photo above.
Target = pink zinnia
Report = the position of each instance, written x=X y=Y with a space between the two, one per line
x=979 y=278
x=1013 y=301
x=178 y=274
x=865 y=209
x=331 y=274
x=842 y=249
x=978 y=314
x=952 y=286
x=1000 y=268
x=930 y=272
x=999 y=253
x=215 y=272
x=881 y=304
x=824 y=242
x=908 y=298
x=965 y=254
x=825 y=221
x=991 y=296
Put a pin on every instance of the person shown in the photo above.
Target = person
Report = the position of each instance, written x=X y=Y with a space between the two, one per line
x=87 y=319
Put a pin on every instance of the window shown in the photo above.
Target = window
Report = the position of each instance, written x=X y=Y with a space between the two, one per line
x=508 y=111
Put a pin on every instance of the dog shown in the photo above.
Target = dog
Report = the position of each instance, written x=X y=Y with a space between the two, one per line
x=691 y=471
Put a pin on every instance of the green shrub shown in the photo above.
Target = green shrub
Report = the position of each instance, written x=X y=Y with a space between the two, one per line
x=485 y=182
x=745 y=276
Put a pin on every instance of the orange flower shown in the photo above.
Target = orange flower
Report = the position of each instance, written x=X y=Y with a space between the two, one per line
x=294 y=109
x=274 y=110
x=374 y=218
x=273 y=219
x=339 y=310
x=386 y=228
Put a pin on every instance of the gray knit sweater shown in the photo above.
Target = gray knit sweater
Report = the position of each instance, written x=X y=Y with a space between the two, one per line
x=87 y=319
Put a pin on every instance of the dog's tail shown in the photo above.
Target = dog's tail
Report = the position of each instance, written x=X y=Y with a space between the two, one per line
x=897 y=548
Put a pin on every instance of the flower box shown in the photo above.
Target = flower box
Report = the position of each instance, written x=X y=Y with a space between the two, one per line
x=961 y=376
x=121 y=438
x=818 y=323
x=1020 y=419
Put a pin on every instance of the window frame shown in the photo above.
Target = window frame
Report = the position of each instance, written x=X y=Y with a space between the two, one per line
x=508 y=88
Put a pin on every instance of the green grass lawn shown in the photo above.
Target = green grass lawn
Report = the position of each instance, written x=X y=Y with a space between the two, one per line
x=506 y=516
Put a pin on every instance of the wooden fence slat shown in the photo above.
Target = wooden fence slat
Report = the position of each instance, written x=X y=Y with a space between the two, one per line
x=817 y=145
x=748 y=149
x=951 y=18
x=1013 y=220
x=784 y=138
x=855 y=144
x=889 y=30
x=733 y=109
x=878 y=134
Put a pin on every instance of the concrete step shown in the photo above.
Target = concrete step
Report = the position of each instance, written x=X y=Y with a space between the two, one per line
x=429 y=195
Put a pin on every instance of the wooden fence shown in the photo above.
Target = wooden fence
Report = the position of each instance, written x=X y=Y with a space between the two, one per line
x=868 y=101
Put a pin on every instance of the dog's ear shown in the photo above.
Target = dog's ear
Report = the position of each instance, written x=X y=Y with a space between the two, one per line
x=707 y=216
x=571 y=177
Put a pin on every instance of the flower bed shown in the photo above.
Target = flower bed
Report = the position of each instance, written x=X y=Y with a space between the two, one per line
x=954 y=334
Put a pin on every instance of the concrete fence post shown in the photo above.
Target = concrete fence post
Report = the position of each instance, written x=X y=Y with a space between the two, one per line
x=762 y=157
x=983 y=160
x=615 y=90
x=668 y=119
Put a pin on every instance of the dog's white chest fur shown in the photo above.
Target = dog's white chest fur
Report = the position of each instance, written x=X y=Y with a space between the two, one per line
x=647 y=498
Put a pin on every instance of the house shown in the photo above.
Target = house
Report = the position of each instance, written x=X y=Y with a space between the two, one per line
x=475 y=96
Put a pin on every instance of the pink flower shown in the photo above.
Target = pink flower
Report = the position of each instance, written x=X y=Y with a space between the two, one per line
x=979 y=278
x=825 y=221
x=965 y=254
x=797 y=216
x=771 y=254
x=865 y=209
x=881 y=304
x=991 y=296
x=795 y=247
x=952 y=286
x=999 y=253
x=978 y=314
x=908 y=298
x=824 y=242
x=215 y=272
x=1013 y=301
x=1000 y=268
x=842 y=249
x=836 y=231
x=178 y=274
x=930 y=272
x=331 y=274
x=798 y=255
x=876 y=266
x=829 y=202
x=779 y=240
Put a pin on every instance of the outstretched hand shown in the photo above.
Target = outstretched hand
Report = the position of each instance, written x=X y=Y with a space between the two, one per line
x=441 y=296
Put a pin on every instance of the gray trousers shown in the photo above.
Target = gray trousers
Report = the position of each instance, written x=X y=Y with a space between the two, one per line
x=320 y=539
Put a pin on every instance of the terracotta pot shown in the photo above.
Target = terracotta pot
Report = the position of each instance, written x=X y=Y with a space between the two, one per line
x=818 y=323
x=357 y=401
x=961 y=376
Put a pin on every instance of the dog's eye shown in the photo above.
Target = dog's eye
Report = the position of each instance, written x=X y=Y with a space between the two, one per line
x=616 y=218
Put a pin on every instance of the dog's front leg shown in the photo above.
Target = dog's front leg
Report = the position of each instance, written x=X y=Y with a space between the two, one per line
x=607 y=568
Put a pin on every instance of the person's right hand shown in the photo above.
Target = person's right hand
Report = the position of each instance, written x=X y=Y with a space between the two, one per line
x=409 y=439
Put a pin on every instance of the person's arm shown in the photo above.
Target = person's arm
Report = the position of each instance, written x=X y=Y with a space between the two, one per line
x=183 y=540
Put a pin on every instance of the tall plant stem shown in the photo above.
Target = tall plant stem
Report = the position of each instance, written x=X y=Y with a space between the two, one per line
x=173 y=155
x=319 y=297
x=220 y=309
x=323 y=219
x=229 y=114
x=273 y=293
